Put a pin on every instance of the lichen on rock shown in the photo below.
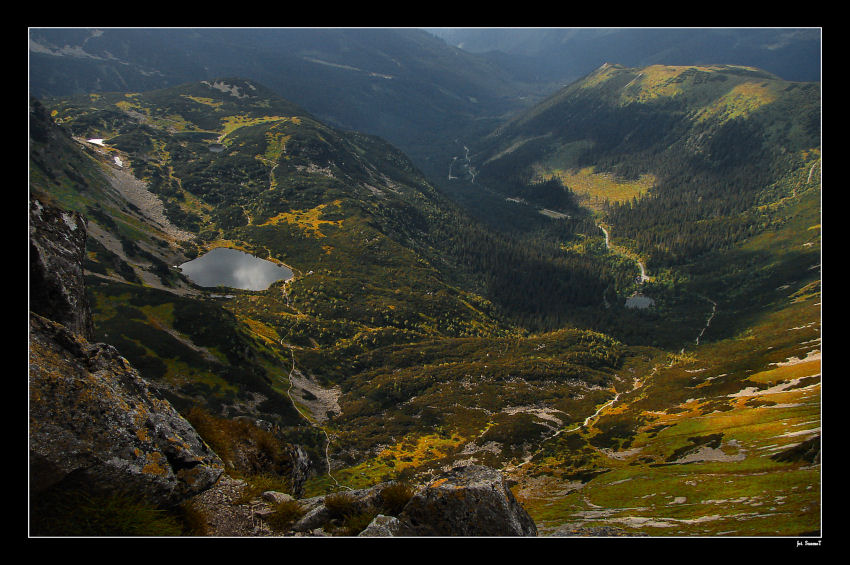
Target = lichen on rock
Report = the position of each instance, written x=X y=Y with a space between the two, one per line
x=472 y=500
x=94 y=417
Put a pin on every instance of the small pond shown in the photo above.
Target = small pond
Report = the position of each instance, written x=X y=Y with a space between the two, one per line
x=232 y=268
x=639 y=301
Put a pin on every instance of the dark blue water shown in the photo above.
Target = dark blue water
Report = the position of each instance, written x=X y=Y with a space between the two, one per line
x=235 y=269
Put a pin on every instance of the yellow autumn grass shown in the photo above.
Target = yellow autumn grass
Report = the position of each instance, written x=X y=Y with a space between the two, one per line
x=788 y=372
x=418 y=450
x=261 y=330
x=205 y=101
x=739 y=102
x=653 y=82
x=232 y=123
x=594 y=188
x=308 y=220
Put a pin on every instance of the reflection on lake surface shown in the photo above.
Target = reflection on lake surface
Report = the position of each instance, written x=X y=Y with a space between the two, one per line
x=233 y=268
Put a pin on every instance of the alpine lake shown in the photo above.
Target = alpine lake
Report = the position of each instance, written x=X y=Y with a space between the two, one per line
x=233 y=268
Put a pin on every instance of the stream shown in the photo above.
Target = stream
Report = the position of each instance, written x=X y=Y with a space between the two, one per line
x=643 y=277
x=707 y=322
x=467 y=165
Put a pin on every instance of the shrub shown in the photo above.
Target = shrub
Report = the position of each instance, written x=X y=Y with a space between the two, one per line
x=194 y=520
x=341 y=505
x=285 y=514
x=246 y=449
x=356 y=523
x=345 y=512
x=394 y=497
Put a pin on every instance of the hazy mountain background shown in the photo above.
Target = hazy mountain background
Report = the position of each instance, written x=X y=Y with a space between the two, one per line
x=404 y=85
x=563 y=54
x=418 y=89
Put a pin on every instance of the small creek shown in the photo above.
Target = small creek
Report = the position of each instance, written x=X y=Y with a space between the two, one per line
x=636 y=300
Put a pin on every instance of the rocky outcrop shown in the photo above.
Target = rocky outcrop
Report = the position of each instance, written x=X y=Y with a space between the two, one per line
x=381 y=526
x=467 y=501
x=57 y=250
x=93 y=420
x=323 y=512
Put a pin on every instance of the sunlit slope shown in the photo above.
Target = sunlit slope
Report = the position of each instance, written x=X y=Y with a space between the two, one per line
x=722 y=438
x=723 y=441
x=682 y=165
x=623 y=133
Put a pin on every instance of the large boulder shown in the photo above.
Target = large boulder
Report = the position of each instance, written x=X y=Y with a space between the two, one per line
x=320 y=513
x=381 y=526
x=93 y=419
x=466 y=501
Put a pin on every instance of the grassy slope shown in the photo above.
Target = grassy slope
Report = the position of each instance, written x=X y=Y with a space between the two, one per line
x=692 y=449
x=686 y=447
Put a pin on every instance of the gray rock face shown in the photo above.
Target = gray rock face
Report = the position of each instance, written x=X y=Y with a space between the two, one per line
x=275 y=497
x=57 y=250
x=381 y=526
x=467 y=501
x=301 y=468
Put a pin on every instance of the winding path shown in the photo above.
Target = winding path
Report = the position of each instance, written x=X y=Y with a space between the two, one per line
x=636 y=384
x=297 y=409
x=527 y=459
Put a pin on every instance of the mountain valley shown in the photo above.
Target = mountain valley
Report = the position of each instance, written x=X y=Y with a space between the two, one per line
x=615 y=301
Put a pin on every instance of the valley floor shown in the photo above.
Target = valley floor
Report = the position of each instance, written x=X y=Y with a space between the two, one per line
x=738 y=456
